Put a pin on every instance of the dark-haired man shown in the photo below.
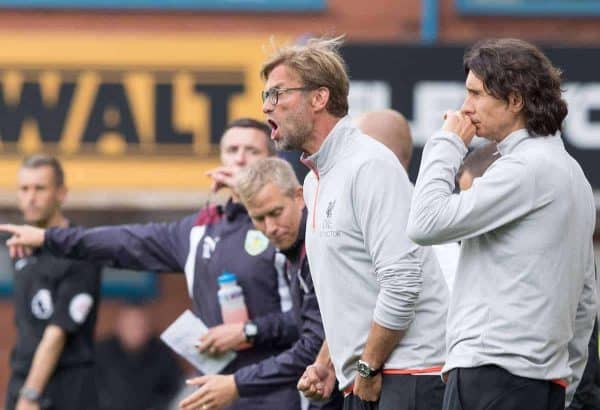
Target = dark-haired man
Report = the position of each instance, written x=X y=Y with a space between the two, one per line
x=524 y=298
x=203 y=245
x=55 y=302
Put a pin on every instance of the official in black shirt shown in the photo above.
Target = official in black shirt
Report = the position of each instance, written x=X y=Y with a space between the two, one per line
x=55 y=304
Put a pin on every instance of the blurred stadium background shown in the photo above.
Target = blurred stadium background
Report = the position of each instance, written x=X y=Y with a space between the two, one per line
x=134 y=94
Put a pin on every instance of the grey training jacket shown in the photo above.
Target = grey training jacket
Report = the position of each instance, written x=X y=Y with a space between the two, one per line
x=364 y=266
x=524 y=296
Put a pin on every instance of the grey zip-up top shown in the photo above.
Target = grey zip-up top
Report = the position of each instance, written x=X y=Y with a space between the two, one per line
x=364 y=266
x=524 y=296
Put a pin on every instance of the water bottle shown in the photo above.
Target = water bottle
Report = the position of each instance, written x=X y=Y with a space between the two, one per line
x=231 y=299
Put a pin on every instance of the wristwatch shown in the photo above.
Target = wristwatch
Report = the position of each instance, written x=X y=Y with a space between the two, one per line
x=366 y=371
x=250 y=331
x=29 y=393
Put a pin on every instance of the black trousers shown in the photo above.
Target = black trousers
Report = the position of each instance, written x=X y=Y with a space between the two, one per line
x=403 y=392
x=587 y=396
x=335 y=402
x=72 y=388
x=493 y=388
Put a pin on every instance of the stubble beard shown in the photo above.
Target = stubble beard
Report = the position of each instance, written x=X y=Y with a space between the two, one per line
x=295 y=139
x=289 y=143
x=42 y=220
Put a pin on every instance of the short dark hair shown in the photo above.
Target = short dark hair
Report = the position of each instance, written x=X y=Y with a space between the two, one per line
x=511 y=66
x=45 y=160
x=258 y=125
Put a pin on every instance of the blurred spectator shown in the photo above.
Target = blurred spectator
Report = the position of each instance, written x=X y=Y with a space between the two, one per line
x=135 y=369
x=391 y=129
x=475 y=164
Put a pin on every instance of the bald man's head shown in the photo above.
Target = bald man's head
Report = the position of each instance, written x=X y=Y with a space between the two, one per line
x=391 y=129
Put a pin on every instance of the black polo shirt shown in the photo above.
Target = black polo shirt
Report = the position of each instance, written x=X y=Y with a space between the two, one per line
x=58 y=291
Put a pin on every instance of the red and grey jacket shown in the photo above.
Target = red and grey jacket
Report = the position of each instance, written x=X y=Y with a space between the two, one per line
x=203 y=246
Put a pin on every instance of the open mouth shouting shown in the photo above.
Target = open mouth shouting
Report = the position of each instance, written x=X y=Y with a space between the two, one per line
x=274 y=128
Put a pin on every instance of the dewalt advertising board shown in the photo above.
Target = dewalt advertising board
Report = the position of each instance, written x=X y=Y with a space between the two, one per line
x=123 y=110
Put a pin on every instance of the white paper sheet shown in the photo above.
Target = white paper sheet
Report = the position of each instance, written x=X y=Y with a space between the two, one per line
x=182 y=336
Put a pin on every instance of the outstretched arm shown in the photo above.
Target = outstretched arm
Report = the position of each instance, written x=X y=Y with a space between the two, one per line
x=160 y=247
x=24 y=239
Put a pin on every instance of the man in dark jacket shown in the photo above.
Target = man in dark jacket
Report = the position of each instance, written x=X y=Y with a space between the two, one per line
x=270 y=191
x=204 y=245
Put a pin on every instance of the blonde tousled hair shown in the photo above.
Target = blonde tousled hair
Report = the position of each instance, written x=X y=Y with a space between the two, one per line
x=256 y=176
x=318 y=63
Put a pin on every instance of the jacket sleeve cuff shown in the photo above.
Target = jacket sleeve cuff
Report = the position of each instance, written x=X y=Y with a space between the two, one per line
x=276 y=329
x=393 y=322
x=49 y=238
x=240 y=376
x=453 y=139
x=264 y=330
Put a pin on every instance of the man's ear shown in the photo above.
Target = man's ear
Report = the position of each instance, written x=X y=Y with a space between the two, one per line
x=62 y=194
x=515 y=102
x=299 y=194
x=320 y=98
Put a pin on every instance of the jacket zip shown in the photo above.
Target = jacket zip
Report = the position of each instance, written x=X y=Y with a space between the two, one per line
x=314 y=210
x=314 y=169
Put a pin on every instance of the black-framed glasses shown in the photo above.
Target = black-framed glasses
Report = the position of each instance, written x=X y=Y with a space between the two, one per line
x=272 y=94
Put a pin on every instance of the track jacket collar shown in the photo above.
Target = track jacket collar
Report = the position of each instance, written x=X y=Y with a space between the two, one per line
x=233 y=209
x=508 y=144
x=512 y=140
x=335 y=143
x=293 y=253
